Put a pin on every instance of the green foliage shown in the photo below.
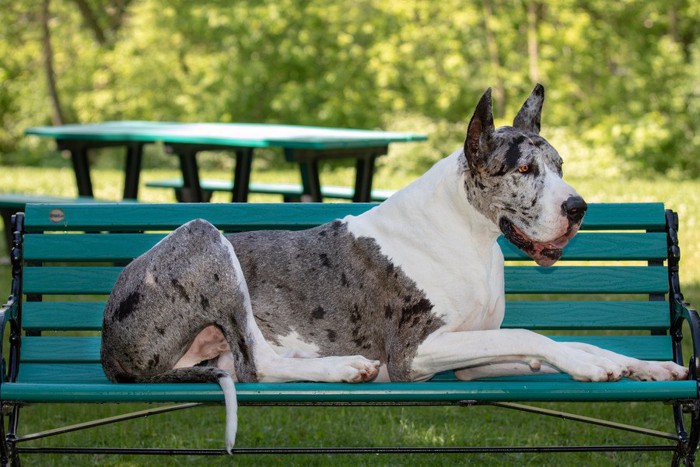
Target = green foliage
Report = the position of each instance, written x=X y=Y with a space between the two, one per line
x=620 y=76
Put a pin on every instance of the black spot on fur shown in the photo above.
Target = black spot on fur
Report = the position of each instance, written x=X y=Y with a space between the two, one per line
x=152 y=363
x=161 y=331
x=180 y=289
x=243 y=348
x=216 y=277
x=332 y=335
x=388 y=312
x=204 y=301
x=355 y=316
x=325 y=262
x=413 y=313
x=513 y=153
x=318 y=313
x=344 y=280
x=127 y=306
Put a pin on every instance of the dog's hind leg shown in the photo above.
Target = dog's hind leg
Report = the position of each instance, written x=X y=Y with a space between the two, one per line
x=248 y=344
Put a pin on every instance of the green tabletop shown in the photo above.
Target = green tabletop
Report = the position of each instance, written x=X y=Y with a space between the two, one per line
x=226 y=134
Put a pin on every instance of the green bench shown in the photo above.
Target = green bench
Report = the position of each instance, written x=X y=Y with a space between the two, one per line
x=616 y=287
x=289 y=192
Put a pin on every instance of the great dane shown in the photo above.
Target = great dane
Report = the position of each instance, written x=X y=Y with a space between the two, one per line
x=408 y=289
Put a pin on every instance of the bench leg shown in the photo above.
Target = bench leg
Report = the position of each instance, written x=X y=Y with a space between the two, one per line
x=687 y=442
x=6 y=214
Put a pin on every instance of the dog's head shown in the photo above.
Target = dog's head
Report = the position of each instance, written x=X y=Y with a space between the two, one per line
x=513 y=177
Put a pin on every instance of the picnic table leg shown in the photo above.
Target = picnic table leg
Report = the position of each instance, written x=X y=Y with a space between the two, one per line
x=81 y=165
x=364 y=173
x=132 y=170
x=191 y=189
x=241 y=176
x=311 y=181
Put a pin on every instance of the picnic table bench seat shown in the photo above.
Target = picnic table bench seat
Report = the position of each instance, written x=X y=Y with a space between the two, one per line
x=288 y=191
x=616 y=287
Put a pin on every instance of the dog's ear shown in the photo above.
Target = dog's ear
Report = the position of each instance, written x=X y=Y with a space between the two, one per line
x=479 y=132
x=529 y=116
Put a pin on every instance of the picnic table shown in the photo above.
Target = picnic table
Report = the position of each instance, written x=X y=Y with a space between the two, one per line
x=303 y=145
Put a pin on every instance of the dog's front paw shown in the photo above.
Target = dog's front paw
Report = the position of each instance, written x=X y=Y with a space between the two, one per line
x=358 y=369
x=598 y=369
x=657 y=371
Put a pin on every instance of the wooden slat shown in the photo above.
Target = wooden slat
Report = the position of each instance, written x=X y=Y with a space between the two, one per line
x=519 y=279
x=586 y=279
x=63 y=316
x=87 y=349
x=604 y=246
x=124 y=247
x=526 y=389
x=622 y=315
x=126 y=217
x=585 y=315
x=230 y=216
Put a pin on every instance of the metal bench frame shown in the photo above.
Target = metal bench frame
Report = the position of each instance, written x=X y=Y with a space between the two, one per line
x=683 y=443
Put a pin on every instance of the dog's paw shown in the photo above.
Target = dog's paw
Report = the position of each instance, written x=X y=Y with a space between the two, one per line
x=596 y=369
x=657 y=371
x=358 y=369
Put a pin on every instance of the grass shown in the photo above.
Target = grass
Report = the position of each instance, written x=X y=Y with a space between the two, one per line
x=441 y=426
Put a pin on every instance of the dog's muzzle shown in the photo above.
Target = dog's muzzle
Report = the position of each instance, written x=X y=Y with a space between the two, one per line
x=547 y=253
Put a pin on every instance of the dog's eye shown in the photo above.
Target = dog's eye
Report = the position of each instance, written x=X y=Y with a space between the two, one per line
x=523 y=169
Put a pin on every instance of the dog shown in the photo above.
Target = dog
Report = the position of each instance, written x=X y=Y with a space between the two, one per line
x=411 y=288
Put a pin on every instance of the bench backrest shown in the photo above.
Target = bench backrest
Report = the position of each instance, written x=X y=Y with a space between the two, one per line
x=612 y=279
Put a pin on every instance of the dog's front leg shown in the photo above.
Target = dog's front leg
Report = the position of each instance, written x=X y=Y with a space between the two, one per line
x=506 y=352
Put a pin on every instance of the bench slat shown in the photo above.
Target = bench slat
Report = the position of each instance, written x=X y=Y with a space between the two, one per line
x=527 y=389
x=627 y=216
x=124 y=247
x=519 y=279
x=78 y=316
x=87 y=349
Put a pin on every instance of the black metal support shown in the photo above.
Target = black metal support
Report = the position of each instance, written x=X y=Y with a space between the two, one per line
x=241 y=175
x=311 y=181
x=308 y=160
x=132 y=170
x=191 y=188
x=81 y=167
x=682 y=312
x=80 y=157
x=12 y=315
x=357 y=450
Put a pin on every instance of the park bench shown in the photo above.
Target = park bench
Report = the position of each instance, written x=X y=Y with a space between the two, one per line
x=616 y=287
x=290 y=192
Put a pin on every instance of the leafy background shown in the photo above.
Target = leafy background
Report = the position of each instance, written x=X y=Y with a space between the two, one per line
x=621 y=77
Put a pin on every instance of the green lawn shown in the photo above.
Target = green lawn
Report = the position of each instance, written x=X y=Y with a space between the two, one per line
x=442 y=426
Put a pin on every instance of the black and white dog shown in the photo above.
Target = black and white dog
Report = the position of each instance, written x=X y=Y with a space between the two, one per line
x=411 y=288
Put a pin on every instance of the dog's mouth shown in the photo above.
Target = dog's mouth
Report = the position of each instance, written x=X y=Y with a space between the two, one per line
x=544 y=253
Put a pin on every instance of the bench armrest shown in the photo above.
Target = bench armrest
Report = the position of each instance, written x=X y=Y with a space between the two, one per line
x=8 y=313
x=685 y=312
x=11 y=312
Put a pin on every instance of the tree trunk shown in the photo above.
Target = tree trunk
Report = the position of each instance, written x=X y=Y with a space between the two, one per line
x=533 y=52
x=499 y=90
x=56 y=110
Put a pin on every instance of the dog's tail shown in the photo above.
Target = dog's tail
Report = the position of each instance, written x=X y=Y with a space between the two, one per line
x=206 y=374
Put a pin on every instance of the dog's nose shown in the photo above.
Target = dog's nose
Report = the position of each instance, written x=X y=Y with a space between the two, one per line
x=574 y=208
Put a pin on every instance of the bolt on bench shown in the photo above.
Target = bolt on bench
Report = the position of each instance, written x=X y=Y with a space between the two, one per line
x=616 y=287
